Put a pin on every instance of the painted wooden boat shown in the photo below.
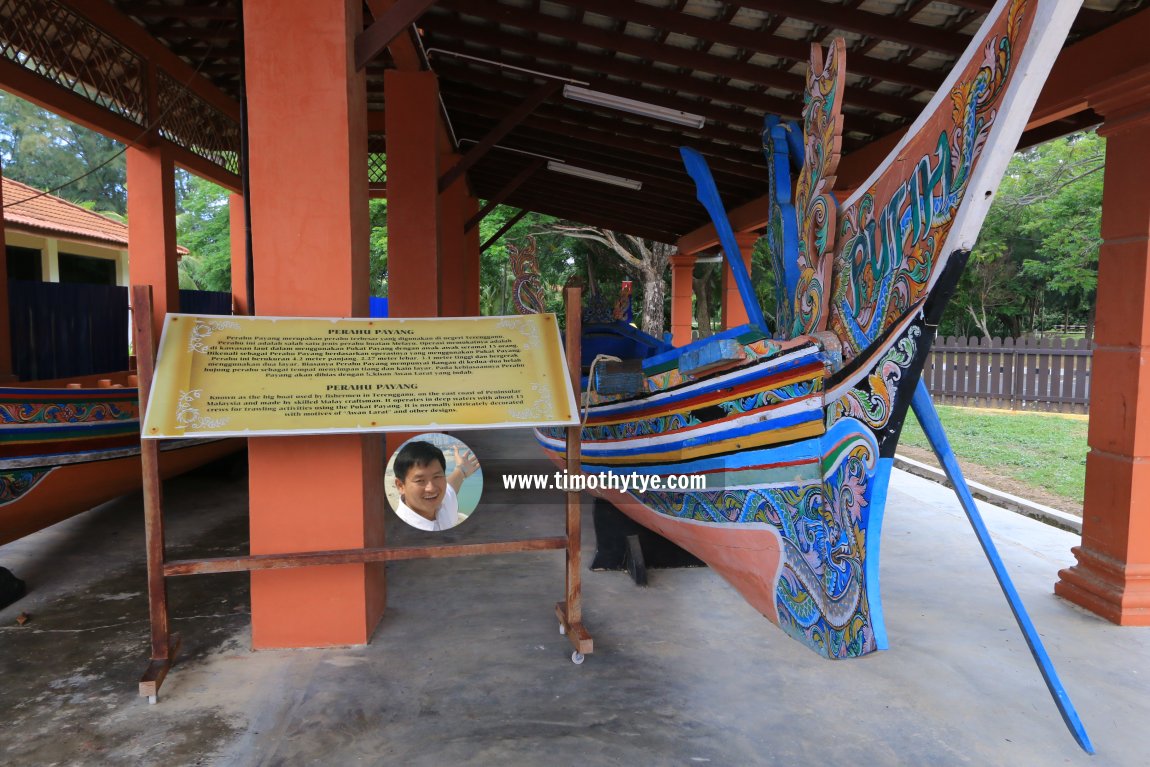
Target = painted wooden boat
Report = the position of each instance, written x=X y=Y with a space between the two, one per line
x=65 y=449
x=795 y=430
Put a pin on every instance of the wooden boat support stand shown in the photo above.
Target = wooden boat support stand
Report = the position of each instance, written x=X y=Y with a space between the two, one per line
x=165 y=645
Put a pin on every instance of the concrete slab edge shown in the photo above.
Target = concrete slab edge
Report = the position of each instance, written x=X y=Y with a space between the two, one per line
x=1050 y=516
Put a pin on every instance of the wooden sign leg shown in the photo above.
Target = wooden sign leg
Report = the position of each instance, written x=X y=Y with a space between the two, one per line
x=164 y=645
x=570 y=612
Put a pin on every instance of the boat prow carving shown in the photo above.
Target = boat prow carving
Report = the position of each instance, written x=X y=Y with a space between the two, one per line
x=797 y=438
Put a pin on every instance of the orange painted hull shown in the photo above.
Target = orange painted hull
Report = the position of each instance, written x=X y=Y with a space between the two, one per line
x=748 y=559
x=70 y=489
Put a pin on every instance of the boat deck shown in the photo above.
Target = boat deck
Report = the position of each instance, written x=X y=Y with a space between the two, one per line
x=467 y=666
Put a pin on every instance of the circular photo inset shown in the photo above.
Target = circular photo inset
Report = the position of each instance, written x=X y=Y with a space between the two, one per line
x=433 y=482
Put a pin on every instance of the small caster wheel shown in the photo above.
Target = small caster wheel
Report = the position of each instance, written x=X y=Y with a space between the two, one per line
x=577 y=658
x=562 y=630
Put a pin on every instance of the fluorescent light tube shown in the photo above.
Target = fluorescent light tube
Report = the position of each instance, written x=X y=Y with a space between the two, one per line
x=598 y=98
x=594 y=175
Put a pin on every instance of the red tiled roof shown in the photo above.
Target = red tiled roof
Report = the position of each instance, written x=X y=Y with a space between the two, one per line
x=51 y=215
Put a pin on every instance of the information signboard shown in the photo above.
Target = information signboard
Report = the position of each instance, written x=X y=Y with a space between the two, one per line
x=257 y=376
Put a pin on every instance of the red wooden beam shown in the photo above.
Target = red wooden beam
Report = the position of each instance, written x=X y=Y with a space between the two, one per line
x=715 y=31
x=503 y=229
x=408 y=59
x=105 y=16
x=504 y=127
x=864 y=22
x=573 y=138
x=503 y=194
x=156 y=11
x=678 y=213
x=610 y=42
x=386 y=27
x=1103 y=57
x=731 y=119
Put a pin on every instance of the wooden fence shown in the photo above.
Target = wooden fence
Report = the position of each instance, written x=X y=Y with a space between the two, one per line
x=65 y=329
x=1051 y=374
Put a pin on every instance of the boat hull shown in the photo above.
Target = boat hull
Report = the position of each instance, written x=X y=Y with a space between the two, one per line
x=791 y=522
x=32 y=498
x=65 y=449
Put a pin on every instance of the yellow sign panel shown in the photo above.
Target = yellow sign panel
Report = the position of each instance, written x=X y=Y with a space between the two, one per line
x=253 y=376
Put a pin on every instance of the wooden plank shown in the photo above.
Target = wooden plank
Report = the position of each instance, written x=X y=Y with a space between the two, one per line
x=355 y=556
x=951 y=386
x=985 y=346
x=574 y=601
x=1082 y=378
x=1045 y=358
x=994 y=371
x=145 y=347
x=576 y=633
x=1008 y=363
x=968 y=371
x=1060 y=380
x=157 y=671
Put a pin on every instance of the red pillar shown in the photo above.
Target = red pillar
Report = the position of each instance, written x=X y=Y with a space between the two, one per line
x=152 y=258
x=1112 y=577
x=238 y=237
x=413 y=232
x=309 y=224
x=414 y=235
x=5 y=323
x=471 y=261
x=453 y=243
x=682 y=298
x=734 y=313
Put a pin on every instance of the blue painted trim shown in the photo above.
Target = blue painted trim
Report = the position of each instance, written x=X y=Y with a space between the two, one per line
x=657 y=360
x=932 y=426
x=673 y=444
x=708 y=194
x=670 y=398
x=873 y=538
x=803 y=450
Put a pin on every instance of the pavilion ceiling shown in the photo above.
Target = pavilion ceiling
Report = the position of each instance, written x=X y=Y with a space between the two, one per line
x=729 y=62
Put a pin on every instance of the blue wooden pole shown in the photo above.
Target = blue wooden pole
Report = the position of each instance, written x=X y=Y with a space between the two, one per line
x=928 y=417
x=708 y=194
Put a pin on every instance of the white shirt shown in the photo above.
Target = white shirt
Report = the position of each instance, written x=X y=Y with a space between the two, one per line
x=446 y=518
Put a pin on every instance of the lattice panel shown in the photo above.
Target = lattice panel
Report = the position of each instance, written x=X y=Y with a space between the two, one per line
x=192 y=123
x=51 y=40
x=376 y=168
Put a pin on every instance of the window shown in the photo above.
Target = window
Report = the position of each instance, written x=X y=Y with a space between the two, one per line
x=94 y=271
x=23 y=264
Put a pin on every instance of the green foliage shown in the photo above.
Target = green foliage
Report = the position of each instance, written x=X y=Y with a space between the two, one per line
x=378 y=248
x=1039 y=449
x=1036 y=260
x=43 y=150
x=203 y=227
x=558 y=258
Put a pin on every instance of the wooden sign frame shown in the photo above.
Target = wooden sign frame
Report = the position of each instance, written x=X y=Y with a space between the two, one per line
x=165 y=645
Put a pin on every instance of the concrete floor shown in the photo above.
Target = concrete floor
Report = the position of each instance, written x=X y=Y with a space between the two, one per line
x=467 y=666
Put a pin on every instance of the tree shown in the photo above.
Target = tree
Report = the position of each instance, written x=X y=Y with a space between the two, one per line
x=377 y=248
x=646 y=260
x=1036 y=260
x=556 y=257
x=45 y=151
x=203 y=226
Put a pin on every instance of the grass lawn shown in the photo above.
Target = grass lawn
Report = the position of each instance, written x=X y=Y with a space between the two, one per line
x=1043 y=450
